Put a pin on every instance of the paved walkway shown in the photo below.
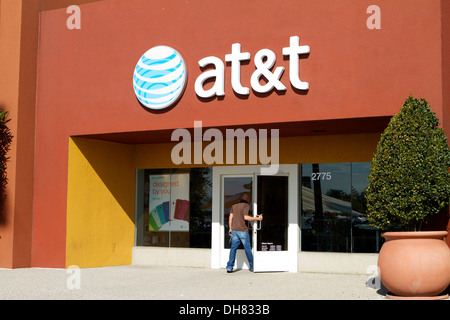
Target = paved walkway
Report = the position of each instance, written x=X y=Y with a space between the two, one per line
x=171 y=283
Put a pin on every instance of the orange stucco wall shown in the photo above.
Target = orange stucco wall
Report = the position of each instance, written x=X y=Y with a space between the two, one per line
x=86 y=75
x=84 y=81
x=18 y=70
x=352 y=71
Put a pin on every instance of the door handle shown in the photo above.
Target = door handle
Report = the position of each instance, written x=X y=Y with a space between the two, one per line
x=258 y=225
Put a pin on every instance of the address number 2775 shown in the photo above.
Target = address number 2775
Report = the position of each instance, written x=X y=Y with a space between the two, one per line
x=321 y=176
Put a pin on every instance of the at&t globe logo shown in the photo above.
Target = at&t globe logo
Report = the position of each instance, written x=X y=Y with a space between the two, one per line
x=159 y=77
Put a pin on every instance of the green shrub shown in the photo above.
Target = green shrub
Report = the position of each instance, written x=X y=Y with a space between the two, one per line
x=5 y=142
x=409 y=177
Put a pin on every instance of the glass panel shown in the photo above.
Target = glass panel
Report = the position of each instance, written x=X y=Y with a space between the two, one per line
x=233 y=188
x=169 y=208
x=273 y=204
x=326 y=207
x=151 y=237
x=174 y=207
x=364 y=237
x=332 y=217
x=200 y=207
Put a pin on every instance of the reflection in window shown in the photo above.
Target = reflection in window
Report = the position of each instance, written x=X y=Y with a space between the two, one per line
x=333 y=207
x=365 y=238
x=174 y=208
x=234 y=187
x=326 y=211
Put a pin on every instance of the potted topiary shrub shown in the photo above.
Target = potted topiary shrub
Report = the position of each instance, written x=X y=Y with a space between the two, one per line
x=409 y=181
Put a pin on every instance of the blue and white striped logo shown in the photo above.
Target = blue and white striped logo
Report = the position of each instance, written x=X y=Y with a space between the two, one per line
x=159 y=77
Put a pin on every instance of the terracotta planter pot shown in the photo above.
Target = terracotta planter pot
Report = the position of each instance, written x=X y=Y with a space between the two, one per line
x=415 y=264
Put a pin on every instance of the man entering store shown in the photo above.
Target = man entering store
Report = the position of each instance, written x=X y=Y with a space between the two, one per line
x=239 y=214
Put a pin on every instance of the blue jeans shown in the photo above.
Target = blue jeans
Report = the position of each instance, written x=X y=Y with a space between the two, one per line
x=236 y=238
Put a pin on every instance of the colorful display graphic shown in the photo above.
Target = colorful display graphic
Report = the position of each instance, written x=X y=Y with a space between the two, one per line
x=169 y=204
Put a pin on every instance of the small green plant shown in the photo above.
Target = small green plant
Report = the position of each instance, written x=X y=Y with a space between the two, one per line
x=5 y=143
x=409 y=177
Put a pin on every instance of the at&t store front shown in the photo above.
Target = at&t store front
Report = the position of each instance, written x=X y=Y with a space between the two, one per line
x=151 y=118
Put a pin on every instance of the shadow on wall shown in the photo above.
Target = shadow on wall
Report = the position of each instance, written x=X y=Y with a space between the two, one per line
x=100 y=203
x=113 y=164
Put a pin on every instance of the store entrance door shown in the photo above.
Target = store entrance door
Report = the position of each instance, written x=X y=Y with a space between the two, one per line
x=275 y=239
x=271 y=235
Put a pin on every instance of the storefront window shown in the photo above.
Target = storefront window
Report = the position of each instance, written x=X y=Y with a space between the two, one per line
x=174 y=207
x=333 y=207
x=364 y=237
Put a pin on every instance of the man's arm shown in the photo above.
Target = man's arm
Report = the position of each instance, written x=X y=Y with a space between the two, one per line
x=230 y=220
x=250 y=218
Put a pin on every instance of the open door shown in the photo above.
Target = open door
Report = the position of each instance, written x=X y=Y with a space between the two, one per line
x=275 y=241
x=270 y=236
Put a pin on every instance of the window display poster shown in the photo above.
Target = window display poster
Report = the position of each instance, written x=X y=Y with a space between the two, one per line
x=169 y=202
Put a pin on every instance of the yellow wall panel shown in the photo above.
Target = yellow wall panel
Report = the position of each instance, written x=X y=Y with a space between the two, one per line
x=100 y=204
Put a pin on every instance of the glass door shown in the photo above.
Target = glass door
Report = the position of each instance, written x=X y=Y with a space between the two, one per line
x=271 y=234
x=275 y=239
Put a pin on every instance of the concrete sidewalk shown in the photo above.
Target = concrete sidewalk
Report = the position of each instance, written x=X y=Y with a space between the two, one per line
x=172 y=283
